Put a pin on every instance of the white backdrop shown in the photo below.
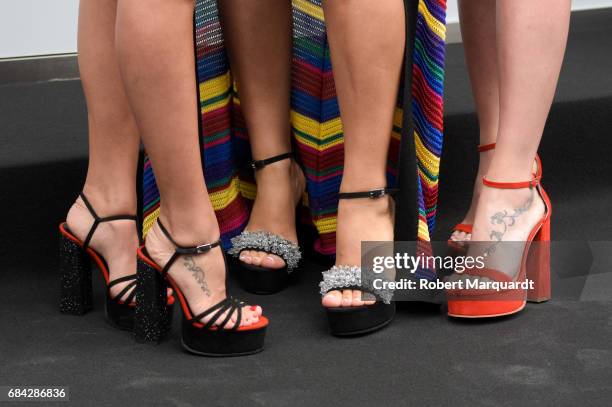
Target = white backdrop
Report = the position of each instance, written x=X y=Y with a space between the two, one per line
x=44 y=27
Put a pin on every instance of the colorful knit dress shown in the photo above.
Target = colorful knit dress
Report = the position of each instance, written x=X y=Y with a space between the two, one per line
x=414 y=155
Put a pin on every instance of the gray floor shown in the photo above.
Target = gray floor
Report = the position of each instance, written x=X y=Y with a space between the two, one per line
x=554 y=354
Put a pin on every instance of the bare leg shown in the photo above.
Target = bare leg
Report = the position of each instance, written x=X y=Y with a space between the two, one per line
x=367 y=89
x=155 y=48
x=113 y=143
x=531 y=43
x=258 y=35
x=478 y=29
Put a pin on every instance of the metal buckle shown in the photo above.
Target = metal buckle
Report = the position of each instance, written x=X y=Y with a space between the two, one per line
x=377 y=193
x=204 y=248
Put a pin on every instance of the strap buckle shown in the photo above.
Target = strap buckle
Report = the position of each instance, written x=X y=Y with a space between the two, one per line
x=378 y=193
x=198 y=249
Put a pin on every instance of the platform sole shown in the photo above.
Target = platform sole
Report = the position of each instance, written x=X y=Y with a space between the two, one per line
x=261 y=280
x=354 y=321
x=222 y=343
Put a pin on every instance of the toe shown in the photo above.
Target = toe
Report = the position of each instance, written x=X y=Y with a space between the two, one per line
x=272 y=261
x=347 y=298
x=256 y=310
x=357 y=302
x=246 y=256
x=332 y=299
x=257 y=256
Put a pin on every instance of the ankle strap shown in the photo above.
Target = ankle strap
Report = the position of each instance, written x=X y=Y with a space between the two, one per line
x=486 y=147
x=259 y=164
x=512 y=185
x=98 y=219
x=372 y=194
x=180 y=250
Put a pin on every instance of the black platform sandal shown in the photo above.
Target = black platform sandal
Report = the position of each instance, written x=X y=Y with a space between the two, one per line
x=349 y=321
x=262 y=280
x=75 y=270
x=206 y=339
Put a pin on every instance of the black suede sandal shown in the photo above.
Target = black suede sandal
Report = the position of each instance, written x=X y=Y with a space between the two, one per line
x=262 y=280
x=206 y=339
x=75 y=269
x=349 y=321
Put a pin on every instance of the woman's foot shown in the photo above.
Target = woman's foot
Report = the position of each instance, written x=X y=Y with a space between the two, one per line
x=503 y=222
x=485 y=159
x=359 y=220
x=280 y=187
x=201 y=278
x=116 y=241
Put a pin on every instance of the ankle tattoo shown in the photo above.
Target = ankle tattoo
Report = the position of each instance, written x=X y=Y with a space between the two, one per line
x=197 y=273
x=505 y=220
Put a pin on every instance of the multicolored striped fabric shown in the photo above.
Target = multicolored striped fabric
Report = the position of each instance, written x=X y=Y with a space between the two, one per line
x=317 y=127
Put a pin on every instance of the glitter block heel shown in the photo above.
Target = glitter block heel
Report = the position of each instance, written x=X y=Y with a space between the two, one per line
x=152 y=319
x=76 y=285
x=76 y=257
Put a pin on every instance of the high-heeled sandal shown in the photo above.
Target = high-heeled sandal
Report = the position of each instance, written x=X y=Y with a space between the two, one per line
x=263 y=280
x=75 y=269
x=468 y=227
x=534 y=266
x=348 y=321
x=206 y=339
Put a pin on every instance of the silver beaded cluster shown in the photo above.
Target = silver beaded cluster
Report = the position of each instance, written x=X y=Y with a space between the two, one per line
x=269 y=243
x=339 y=277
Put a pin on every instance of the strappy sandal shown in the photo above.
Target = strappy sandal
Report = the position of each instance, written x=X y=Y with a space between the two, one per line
x=349 y=321
x=458 y=246
x=75 y=269
x=534 y=267
x=263 y=280
x=202 y=338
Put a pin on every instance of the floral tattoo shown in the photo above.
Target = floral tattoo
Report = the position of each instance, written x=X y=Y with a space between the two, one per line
x=505 y=220
x=197 y=273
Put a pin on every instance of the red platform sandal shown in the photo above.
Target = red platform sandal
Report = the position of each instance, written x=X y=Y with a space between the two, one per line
x=534 y=266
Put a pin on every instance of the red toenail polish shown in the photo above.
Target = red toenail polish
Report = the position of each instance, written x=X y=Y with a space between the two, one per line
x=253 y=307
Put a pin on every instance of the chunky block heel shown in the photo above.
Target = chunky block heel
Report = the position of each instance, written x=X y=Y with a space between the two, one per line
x=75 y=269
x=152 y=319
x=538 y=266
x=76 y=257
x=210 y=338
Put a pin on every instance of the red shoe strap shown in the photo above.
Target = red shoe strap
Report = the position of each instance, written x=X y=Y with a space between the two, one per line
x=485 y=147
x=512 y=185
x=463 y=227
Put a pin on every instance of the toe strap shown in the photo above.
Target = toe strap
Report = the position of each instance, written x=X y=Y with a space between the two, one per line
x=269 y=243
x=351 y=277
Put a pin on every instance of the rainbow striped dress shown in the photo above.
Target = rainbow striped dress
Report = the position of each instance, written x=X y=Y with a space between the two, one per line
x=317 y=128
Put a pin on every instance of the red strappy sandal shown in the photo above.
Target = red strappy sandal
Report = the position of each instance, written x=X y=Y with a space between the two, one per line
x=534 y=266
x=466 y=228
x=210 y=338
x=75 y=269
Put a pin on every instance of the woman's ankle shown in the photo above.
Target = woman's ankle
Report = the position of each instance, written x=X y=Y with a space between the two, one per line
x=191 y=227
x=109 y=200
